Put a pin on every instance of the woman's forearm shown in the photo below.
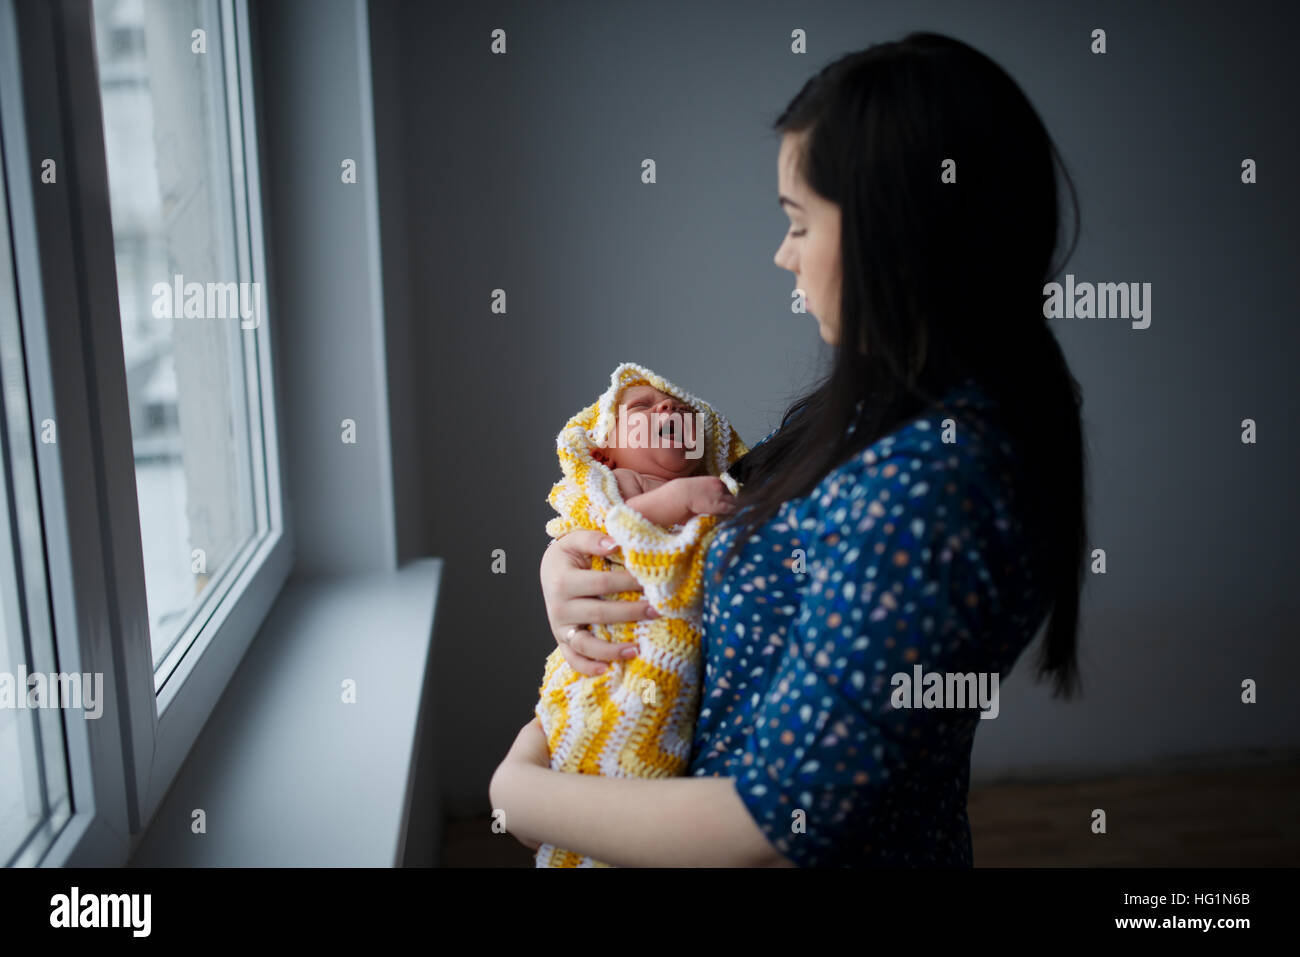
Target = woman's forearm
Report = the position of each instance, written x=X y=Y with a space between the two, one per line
x=634 y=822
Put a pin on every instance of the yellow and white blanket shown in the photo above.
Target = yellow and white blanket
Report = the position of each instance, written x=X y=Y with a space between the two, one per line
x=637 y=719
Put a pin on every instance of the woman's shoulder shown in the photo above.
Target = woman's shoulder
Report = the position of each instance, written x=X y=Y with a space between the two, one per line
x=956 y=451
x=930 y=508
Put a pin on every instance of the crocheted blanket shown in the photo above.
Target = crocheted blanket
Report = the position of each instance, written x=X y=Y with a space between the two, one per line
x=637 y=719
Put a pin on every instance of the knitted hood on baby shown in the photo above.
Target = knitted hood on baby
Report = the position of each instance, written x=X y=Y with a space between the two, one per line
x=637 y=719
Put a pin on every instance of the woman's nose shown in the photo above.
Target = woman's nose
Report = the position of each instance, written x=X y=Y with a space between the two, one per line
x=784 y=257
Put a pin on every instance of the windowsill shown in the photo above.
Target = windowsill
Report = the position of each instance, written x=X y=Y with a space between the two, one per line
x=287 y=773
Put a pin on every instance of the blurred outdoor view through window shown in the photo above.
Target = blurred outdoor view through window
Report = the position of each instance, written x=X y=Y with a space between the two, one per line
x=178 y=198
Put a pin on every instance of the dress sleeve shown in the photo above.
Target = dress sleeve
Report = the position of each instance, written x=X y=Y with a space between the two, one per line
x=894 y=578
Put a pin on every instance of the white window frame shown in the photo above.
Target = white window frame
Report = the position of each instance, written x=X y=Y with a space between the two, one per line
x=121 y=765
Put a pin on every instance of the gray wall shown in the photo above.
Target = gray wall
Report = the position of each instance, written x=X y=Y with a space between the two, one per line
x=331 y=331
x=342 y=321
x=523 y=172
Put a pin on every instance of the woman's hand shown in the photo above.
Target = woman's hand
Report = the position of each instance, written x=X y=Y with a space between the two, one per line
x=572 y=590
x=529 y=750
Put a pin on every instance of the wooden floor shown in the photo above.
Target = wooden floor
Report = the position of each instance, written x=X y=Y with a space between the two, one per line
x=1245 y=817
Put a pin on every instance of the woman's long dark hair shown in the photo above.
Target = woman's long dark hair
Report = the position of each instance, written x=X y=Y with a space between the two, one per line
x=941 y=282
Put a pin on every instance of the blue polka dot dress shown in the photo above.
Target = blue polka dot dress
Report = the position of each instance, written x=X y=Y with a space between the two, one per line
x=910 y=553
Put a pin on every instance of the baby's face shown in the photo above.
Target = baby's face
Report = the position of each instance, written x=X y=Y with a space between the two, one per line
x=655 y=434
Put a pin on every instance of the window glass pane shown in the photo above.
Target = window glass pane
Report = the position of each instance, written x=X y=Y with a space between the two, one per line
x=189 y=310
x=34 y=798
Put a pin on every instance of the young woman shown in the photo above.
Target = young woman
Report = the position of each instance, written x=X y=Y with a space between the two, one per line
x=920 y=511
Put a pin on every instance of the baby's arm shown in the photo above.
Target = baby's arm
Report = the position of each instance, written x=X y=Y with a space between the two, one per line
x=677 y=501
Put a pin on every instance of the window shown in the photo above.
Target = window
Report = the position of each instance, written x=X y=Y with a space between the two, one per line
x=172 y=137
x=147 y=545
x=34 y=797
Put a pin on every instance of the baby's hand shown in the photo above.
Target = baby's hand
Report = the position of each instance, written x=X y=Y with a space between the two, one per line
x=705 y=495
x=676 y=501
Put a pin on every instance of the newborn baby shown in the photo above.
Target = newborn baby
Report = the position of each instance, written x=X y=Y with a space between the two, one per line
x=645 y=464
x=656 y=452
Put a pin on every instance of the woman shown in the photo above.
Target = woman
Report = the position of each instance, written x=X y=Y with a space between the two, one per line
x=921 y=507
